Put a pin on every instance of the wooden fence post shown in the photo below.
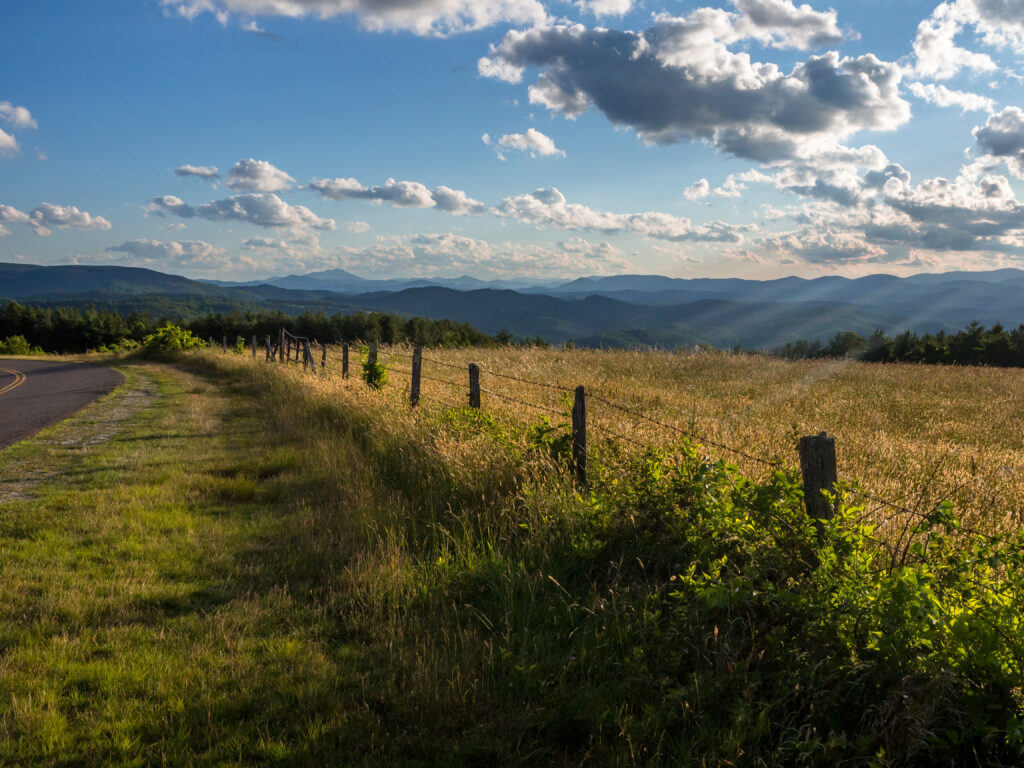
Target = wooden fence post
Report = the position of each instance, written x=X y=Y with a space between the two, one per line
x=417 y=365
x=579 y=437
x=270 y=350
x=474 y=385
x=254 y=346
x=372 y=356
x=224 y=343
x=344 y=360
x=818 y=466
x=280 y=345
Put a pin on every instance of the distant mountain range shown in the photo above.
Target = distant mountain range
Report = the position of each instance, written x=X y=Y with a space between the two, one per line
x=621 y=310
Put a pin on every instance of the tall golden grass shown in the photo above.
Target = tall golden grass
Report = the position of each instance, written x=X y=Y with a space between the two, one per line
x=910 y=434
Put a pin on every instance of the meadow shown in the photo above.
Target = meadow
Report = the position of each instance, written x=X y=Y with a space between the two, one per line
x=275 y=566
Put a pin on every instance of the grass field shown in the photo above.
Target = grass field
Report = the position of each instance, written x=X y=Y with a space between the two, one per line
x=910 y=433
x=230 y=563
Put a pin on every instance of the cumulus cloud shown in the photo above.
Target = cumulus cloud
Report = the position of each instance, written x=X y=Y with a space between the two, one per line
x=606 y=7
x=422 y=17
x=262 y=209
x=357 y=227
x=942 y=96
x=698 y=190
x=403 y=194
x=176 y=252
x=1002 y=137
x=998 y=23
x=46 y=217
x=200 y=171
x=680 y=81
x=783 y=24
x=533 y=141
x=548 y=207
x=257 y=176
x=18 y=118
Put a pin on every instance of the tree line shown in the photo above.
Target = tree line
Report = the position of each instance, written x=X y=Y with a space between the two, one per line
x=72 y=330
x=973 y=345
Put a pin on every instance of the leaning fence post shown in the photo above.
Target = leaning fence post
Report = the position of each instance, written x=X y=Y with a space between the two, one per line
x=417 y=365
x=344 y=360
x=474 y=385
x=818 y=466
x=579 y=437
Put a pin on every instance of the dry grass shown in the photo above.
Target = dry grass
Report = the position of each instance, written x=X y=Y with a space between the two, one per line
x=912 y=434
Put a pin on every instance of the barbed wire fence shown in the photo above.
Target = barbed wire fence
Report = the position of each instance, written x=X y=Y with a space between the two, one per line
x=818 y=464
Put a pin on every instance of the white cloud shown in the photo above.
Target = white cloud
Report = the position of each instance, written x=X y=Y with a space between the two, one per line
x=262 y=209
x=422 y=17
x=403 y=194
x=605 y=7
x=533 y=141
x=783 y=24
x=1002 y=137
x=8 y=144
x=548 y=207
x=999 y=24
x=185 y=252
x=357 y=227
x=942 y=96
x=257 y=176
x=200 y=171
x=47 y=217
x=18 y=117
x=680 y=81
x=698 y=190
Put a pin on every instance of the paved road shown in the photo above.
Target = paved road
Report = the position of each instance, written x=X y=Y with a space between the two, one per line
x=37 y=393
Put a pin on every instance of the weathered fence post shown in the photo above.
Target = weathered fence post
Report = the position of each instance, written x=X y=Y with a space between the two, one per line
x=224 y=343
x=417 y=365
x=254 y=346
x=818 y=466
x=344 y=360
x=372 y=356
x=579 y=437
x=474 y=385
x=270 y=350
x=280 y=345
x=211 y=342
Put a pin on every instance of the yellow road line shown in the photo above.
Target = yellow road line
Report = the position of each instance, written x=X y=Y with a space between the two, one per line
x=19 y=379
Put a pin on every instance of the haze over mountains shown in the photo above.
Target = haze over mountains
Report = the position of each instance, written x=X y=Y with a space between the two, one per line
x=617 y=310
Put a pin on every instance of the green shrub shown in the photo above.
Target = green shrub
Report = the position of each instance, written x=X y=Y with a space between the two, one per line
x=18 y=345
x=171 y=337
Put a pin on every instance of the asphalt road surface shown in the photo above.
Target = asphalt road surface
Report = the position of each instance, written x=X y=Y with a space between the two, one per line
x=37 y=393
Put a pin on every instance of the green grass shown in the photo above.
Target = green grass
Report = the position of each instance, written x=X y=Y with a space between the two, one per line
x=262 y=567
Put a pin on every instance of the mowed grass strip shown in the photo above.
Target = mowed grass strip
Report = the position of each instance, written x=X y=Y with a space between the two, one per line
x=158 y=598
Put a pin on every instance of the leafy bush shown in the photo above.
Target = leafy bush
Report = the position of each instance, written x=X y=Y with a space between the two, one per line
x=171 y=337
x=375 y=374
x=18 y=345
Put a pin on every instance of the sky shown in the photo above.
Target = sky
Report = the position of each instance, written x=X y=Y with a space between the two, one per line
x=513 y=139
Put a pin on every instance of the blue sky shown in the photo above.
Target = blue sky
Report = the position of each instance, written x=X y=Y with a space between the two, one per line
x=513 y=138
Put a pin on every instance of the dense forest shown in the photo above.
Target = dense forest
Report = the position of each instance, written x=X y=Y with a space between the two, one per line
x=974 y=345
x=69 y=330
